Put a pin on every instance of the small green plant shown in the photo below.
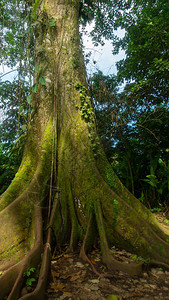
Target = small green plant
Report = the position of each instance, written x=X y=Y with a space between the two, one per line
x=166 y=222
x=139 y=259
x=87 y=115
x=152 y=180
x=85 y=107
x=111 y=250
x=28 y=274
x=35 y=87
x=141 y=199
x=156 y=209
x=12 y=246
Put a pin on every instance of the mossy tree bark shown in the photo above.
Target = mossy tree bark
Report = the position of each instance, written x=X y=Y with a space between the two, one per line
x=64 y=168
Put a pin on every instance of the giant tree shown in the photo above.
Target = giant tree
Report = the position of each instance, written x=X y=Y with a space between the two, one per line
x=64 y=173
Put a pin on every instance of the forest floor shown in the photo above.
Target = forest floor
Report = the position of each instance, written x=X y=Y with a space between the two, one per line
x=73 y=279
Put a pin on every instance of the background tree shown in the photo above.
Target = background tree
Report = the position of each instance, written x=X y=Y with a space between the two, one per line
x=136 y=131
x=16 y=117
x=134 y=138
x=147 y=65
x=64 y=167
x=16 y=52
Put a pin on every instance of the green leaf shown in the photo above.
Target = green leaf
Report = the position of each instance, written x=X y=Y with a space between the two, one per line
x=32 y=269
x=24 y=127
x=29 y=98
x=52 y=22
x=134 y=257
x=160 y=191
x=153 y=184
x=161 y=161
x=29 y=281
x=115 y=202
x=42 y=80
x=151 y=176
x=37 y=68
x=150 y=182
x=21 y=109
x=35 y=87
x=28 y=273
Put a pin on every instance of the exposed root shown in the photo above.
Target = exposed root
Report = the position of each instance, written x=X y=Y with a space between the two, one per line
x=7 y=280
x=12 y=279
x=70 y=248
x=155 y=263
x=113 y=264
x=39 y=292
x=82 y=254
x=74 y=236
x=83 y=248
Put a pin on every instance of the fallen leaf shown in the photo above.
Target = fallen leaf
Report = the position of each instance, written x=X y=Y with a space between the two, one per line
x=55 y=274
x=93 y=262
x=97 y=259
x=79 y=265
x=57 y=287
x=136 y=295
x=66 y=276
x=94 y=280
x=68 y=255
x=75 y=276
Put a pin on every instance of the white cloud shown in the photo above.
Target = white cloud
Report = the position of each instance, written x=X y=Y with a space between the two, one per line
x=101 y=57
x=6 y=73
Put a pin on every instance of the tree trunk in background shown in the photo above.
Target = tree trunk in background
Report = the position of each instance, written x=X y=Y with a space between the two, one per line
x=63 y=161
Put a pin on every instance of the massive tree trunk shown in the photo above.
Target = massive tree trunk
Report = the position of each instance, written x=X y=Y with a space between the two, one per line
x=64 y=174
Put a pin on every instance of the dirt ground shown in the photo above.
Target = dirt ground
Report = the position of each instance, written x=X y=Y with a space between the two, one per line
x=74 y=279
